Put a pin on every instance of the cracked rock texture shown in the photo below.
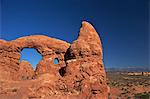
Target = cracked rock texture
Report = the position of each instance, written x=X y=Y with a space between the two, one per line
x=79 y=74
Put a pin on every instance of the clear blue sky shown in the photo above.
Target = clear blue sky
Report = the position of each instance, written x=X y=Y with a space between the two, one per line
x=122 y=24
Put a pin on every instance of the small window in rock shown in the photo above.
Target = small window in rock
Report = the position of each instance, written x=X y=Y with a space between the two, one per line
x=56 y=61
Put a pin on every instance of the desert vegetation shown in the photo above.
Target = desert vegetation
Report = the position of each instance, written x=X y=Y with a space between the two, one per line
x=129 y=85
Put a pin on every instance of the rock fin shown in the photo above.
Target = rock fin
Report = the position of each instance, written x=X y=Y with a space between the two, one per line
x=88 y=42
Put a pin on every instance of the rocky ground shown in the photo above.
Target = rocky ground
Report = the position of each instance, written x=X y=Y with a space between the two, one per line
x=126 y=86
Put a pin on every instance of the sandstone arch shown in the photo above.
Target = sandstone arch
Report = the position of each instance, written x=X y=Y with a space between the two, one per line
x=81 y=64
x=46 y=46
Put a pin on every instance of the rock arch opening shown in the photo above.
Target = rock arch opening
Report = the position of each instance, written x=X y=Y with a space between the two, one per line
x=56 y=61
x=31 y=55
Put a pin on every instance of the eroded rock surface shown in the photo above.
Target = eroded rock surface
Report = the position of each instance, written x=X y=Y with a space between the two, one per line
x=26 y=71
x=79 y=74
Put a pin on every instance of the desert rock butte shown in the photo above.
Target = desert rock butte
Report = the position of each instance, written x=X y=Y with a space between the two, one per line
x=79 y=74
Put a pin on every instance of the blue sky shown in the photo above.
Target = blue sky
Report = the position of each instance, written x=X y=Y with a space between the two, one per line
x=121 y=24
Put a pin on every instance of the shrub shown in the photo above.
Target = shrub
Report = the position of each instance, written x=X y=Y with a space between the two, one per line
x=142 y=96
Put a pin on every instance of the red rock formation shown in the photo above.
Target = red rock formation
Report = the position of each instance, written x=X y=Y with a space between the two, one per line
x=26 y=71
x=79 y=74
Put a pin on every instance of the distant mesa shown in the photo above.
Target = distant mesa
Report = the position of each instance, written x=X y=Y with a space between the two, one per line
x=66 y=71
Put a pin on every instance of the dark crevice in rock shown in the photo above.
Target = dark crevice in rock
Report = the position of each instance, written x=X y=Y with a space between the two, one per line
x=62 y=71
x=68 y=55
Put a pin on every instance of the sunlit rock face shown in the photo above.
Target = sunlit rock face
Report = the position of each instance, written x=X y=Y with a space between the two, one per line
x=78 y=74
